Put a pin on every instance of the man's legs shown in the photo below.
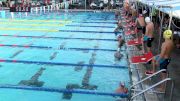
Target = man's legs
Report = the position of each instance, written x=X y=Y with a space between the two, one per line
x=153 y=65
x=149 y=44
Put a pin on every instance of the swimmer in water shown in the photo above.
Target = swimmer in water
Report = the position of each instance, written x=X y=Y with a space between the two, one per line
x=120 y=41
x=118 y=55
x=119 y=27
x=122 y=89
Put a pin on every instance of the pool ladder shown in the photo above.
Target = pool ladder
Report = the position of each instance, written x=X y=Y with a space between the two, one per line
x=152 y=86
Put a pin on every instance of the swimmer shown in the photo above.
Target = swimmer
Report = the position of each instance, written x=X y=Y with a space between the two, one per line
x=163 y=59
x=117 y=13
x=148 y=37
x=122 y=89
x=119 y=26
x=118 y=55
x=120 y=41
x=140 y=23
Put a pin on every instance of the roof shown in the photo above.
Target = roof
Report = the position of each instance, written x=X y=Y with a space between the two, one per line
x=175 y=4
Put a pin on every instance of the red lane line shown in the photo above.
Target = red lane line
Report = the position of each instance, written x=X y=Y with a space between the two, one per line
x=1 y=45
x=1 y=60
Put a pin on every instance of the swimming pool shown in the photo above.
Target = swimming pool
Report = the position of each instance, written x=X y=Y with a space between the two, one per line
x=60 y=50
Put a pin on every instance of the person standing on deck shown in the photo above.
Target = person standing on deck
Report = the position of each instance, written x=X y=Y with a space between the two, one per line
x=163 y=59
x=140 y=23
x=148 y=37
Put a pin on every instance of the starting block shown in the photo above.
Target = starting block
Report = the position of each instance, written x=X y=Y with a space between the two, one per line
x=127 y=25
x=132 y=24
x=142 y=59
x=129 y=32
x=135 y=42
x=127 y=21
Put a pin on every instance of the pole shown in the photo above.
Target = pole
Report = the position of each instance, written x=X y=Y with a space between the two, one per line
x=170 y=19
x=85 y=5
x=161 y=24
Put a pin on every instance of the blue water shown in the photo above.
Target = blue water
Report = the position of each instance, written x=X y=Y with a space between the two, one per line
x=56 y=76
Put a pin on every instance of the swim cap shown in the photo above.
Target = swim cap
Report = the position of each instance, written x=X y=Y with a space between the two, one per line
x=122 y=84
x=119 y=36
x=167 y=34
x=147 y=19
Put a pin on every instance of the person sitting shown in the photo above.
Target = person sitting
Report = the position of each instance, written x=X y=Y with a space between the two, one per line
x=93 y=5
x=119 y=26
x=101 y=5
x=163 y=59
x=33 y=4
x=111 y=4
x=38 y=4
x=148 y=37
x=122 y=89
x=105 y=2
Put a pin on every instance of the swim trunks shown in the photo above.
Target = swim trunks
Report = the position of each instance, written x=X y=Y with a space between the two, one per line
x=163 y=62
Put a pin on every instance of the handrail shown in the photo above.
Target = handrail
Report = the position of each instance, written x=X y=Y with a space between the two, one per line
x=162 y=70
x=139 y=90
x=162 y=81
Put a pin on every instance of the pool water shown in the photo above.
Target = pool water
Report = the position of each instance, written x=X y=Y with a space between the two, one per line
x=68 y=38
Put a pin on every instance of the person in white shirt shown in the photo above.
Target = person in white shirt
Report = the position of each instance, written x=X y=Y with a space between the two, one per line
x=112 y=4
x=93 y=5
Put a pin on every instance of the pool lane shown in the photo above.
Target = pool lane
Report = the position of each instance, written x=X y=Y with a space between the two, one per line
x=60 y=71
x=46 y=42
x=55 y=37
x=61 y=56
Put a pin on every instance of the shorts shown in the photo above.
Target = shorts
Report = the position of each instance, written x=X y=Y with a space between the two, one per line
x=149 y=42
x=144 y=30
x=145 y=38
x=163 y=63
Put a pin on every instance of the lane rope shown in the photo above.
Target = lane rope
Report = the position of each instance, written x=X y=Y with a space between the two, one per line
x=55 y=37
x=60 y=64
x=49 y=47
x=47 y=89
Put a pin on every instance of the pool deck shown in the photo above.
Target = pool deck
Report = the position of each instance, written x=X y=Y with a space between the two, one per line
x=174 y=73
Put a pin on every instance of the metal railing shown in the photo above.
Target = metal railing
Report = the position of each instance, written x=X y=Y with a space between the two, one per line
x=162 y=81
x=150 y=76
